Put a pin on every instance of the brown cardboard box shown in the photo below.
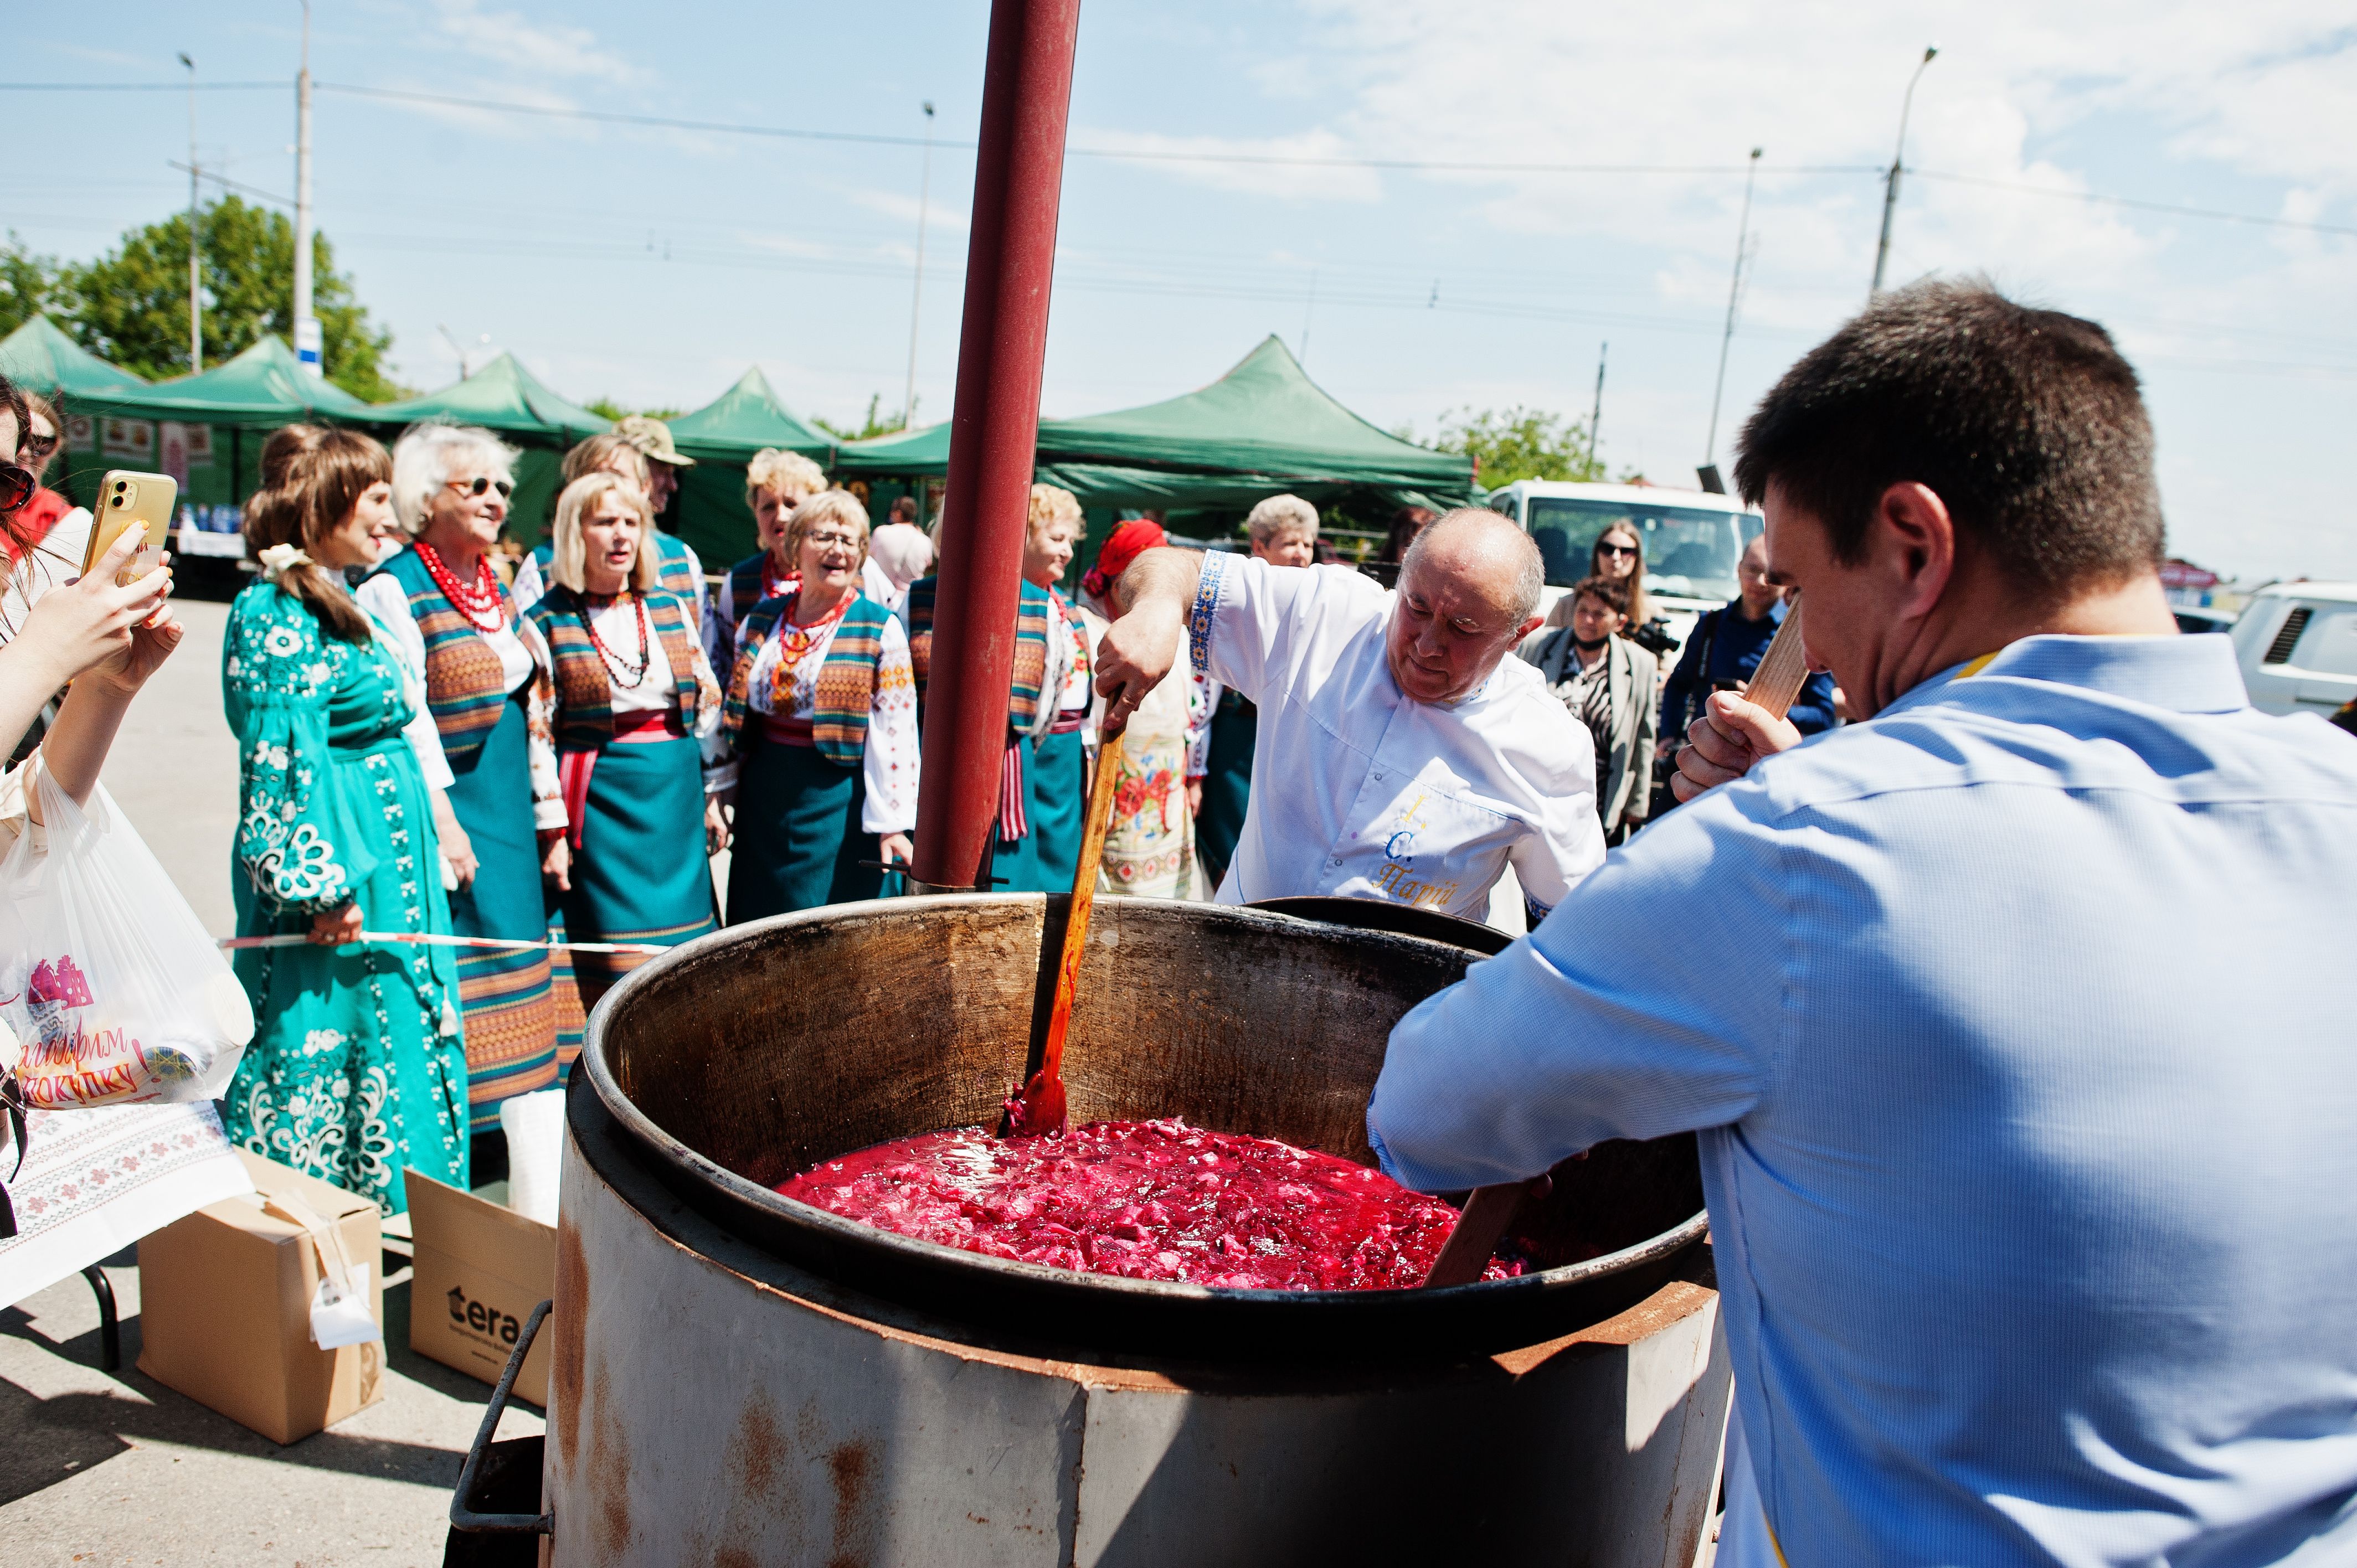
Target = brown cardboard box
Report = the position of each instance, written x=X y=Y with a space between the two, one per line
x=225 y=1308
x=481 y=1270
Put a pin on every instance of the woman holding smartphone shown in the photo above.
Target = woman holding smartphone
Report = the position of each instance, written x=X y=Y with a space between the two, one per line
x=357 y=1072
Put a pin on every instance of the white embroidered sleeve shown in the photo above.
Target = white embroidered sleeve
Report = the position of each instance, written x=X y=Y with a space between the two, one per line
x=891 y=762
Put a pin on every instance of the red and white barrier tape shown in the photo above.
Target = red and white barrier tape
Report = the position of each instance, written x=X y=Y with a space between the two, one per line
x=433 y=939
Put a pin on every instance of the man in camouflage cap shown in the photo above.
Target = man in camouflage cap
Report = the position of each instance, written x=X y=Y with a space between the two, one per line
x=652 y=436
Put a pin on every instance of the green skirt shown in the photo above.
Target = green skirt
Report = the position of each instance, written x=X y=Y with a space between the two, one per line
x=1227 y=786
x=355 y=1073
x=798 y=842
x=640 y=875
x=1057 y=812
x=511 y=1016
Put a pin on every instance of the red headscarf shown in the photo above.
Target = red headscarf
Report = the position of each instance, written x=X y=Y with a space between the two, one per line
x=1125 y=545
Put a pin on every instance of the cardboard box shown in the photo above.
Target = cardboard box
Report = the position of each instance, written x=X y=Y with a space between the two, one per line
x=479 y=1271
x=225 y=1307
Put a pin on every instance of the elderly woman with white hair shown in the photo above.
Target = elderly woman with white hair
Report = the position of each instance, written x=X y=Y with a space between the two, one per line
x=485 y=671
x=1284 y=532
x=776 y=483
x=637 y=718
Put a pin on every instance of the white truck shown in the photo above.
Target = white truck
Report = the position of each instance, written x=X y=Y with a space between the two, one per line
x=1691 y=539
x=2297 y=643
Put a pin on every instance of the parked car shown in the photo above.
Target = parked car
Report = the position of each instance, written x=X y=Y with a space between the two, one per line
x=1693 y=539
x=2297 y=645
x=2191 y=617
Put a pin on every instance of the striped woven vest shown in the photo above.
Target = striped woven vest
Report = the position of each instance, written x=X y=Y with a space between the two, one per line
x=846 y=682
x=745 y=587
x=672 y=568
x=585 y=715
x=1031 y=623
x=465 y=689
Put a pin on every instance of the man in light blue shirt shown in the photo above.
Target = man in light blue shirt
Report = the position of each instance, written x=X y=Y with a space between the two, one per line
x=2011 y=1020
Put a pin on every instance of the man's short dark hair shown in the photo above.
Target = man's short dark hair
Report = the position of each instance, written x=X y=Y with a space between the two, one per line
x=1612 y=593
x=2027 y=423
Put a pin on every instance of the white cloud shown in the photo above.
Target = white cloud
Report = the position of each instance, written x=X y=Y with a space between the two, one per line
x=939 y=219
x=545 y=48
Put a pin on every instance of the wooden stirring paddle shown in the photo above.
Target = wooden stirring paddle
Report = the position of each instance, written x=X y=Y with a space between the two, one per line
x=1481 y=1224
x=1039 y=1107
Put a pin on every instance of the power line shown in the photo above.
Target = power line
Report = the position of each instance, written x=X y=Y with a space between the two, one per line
x=2133 y=202
x=1288 y=160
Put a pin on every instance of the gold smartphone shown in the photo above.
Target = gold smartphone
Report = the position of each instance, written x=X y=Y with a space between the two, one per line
x=125 y=498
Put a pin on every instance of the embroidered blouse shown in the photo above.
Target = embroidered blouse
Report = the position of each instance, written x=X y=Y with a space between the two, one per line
x=889 y=763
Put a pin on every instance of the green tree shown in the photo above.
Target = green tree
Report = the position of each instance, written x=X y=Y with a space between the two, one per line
x=131 y=305
x=1514 y=444
x=607 y=408
x=876 y=423
x=28 y=285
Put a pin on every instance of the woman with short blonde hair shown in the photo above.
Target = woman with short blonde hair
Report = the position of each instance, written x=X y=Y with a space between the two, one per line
x=776 y=483
x=821 y=715
x=580 y=499
x=637 y=720
x=1284 y=531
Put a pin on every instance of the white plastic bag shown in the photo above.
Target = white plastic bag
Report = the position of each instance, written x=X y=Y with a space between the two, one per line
x=111 y=989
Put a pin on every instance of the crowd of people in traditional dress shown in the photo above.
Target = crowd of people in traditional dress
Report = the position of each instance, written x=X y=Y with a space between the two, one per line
x=440 y=734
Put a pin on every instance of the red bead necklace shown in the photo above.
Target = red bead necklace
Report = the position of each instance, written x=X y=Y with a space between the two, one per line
x=481 y=601
x=616 y=665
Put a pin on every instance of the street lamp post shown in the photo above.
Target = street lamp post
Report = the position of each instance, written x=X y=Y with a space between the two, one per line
x=917 y=292
x=1891 y=190
x=195 y=302
x=1734 y=291
x=306 y=324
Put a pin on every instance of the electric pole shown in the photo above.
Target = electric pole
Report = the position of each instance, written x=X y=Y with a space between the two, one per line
x=1734 y=291
x=1596 y=415
x=917 y=294
x=306 y=325
x=1890 y=191
x=195 y=302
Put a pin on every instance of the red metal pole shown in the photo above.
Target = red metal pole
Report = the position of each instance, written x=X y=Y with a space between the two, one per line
x=1026 y=98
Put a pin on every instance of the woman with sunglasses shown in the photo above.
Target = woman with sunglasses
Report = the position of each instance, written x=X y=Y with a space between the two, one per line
x=485 y=728
x=635 y=701
x=822 y=713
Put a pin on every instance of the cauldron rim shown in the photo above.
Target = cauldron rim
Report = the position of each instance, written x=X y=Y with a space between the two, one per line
x=826 y=1242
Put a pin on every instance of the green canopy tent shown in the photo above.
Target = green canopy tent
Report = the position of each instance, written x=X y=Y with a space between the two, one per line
x=722 y=436
x=505 y=397
x=1262 y=428
x=39 y=357
x=206 y=431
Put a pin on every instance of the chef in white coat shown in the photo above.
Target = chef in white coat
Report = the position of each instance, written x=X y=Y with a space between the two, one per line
x=1402 y=755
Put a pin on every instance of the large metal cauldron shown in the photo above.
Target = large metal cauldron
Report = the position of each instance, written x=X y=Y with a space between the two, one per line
x=749 y=1056
x=738 y=1381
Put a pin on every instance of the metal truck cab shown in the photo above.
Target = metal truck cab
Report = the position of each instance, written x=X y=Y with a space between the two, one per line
x=1691 y=539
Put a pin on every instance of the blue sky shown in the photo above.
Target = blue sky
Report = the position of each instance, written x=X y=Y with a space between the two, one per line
x=653 y=265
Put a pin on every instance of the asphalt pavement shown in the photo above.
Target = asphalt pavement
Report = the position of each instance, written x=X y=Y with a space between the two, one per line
x=99 y=1468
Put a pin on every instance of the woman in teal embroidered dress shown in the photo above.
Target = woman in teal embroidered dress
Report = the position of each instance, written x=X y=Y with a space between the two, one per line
x=822 y=712
x=357 y=1072
x=637 y=717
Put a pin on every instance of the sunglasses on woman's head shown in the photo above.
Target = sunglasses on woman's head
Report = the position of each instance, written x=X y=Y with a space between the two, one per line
x=1615 y=550
x=479 y=484
x=39 y=447
x=16 y=487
